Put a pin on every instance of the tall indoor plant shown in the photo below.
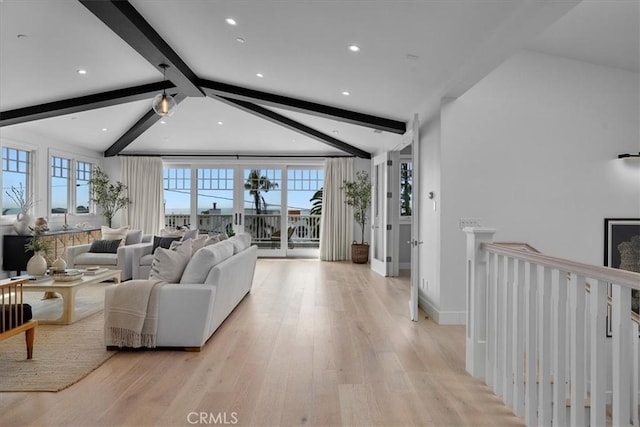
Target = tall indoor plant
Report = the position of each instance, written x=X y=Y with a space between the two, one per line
x=358 y=195
x=110 y=198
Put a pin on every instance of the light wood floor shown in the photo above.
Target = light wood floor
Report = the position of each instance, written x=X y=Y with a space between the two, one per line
x=322 y=344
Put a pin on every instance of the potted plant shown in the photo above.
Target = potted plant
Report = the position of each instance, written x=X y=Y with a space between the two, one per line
x=358 y=195
x=110 y=198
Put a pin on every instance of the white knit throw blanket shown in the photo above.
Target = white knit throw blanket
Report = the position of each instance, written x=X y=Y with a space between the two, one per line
x=132 y=318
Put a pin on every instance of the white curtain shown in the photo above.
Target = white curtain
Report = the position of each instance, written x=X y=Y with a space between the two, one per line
x=143 y=177
x=336 y=227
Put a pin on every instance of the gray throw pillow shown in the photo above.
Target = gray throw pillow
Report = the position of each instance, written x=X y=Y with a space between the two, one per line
x=168 y=264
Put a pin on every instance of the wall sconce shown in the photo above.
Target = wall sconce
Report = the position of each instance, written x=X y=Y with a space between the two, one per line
x=628 y=155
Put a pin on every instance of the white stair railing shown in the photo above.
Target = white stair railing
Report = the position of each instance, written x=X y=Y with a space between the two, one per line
x=537 y=334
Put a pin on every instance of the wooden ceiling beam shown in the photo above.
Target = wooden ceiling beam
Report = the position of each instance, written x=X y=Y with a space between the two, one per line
x=305 y=130
x=213 y=88
x=141 y=126
x=124 y=20
x=82 y=103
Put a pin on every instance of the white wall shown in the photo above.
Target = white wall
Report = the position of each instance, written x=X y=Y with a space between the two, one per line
x=532 y=150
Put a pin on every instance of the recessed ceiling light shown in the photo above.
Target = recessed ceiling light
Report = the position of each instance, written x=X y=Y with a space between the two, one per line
x=21 y=36
x=220 y=123
x=335 y=132
x=259 y=75
x=346 y=93
x=231 y=21
x=82 y=71
x=354 y=48
x=162 y=122
x=104 y=129
x=240 y=40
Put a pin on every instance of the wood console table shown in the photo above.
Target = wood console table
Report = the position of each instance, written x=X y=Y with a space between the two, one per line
x=14 y=256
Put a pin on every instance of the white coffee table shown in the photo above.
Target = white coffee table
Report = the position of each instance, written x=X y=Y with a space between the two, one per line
x=68 y=292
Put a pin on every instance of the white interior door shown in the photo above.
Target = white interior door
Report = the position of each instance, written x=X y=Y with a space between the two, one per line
x=384 y=214
x=415 y=221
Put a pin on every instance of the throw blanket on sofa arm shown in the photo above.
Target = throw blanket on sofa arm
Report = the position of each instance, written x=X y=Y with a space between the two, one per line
x=132 y=318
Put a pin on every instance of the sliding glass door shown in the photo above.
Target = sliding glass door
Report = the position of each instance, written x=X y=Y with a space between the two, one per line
x=279 y=205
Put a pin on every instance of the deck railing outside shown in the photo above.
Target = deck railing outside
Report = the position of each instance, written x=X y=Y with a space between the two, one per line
x=537 y=332
x=303 y=230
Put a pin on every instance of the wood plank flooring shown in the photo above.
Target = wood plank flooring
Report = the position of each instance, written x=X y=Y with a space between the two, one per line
x=317 y=344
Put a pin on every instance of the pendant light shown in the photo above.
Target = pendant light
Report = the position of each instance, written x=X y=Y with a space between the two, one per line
x=164 y=105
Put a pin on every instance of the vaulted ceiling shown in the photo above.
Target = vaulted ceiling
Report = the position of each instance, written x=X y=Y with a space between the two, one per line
x=412 y=54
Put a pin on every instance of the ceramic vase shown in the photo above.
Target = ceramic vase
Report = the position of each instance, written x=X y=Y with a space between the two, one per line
x=37 y=265
x=59 y=264
x=22 y=224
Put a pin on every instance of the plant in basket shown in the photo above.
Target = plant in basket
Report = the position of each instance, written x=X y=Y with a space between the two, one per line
x=358 y=195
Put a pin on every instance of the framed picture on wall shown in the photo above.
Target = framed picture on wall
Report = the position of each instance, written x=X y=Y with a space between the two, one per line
x=622 y=250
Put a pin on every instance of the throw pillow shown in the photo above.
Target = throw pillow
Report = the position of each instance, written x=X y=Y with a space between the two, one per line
x=105 y=246
x=162 y=242
x=195 y=244
x=211 y=240
x=223 y=236
x=115 y=233
x=133 y=237
x=168 y=265
x=190 y=234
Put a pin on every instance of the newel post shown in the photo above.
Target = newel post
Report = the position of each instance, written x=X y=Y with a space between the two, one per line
x=476 y=336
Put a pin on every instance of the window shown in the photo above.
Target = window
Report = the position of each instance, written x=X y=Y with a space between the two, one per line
x=15 y=179
x=177 y=196
x=304 y=203
x=82 y=196
x=215 y=200
x=60 y=180
x=406 y=180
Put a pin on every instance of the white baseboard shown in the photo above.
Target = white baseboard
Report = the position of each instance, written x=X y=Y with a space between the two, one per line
x=441 y=317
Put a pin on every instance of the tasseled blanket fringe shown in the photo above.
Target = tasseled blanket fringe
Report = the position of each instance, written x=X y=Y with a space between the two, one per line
x=122 y=337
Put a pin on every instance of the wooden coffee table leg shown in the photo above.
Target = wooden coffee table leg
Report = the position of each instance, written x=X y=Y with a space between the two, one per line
x=30 y=335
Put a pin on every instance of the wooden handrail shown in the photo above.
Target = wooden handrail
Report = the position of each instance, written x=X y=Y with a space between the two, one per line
x=607 y=274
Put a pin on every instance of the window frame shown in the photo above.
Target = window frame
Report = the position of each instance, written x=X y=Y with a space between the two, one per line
x=31 y=179
x=404 y=159
x=72 y=182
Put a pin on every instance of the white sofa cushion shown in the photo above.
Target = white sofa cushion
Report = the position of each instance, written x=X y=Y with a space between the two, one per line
x=169 y=264
x=114 y=233
x=202 y=261
x=96 y=258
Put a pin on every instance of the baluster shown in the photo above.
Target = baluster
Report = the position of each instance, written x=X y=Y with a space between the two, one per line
x=531 y=349
x=621 y=342
x=577 y=350
x=498 y=367
x=518 y=340
x=559 y=348
x=507 y=333
x=598 y=354
x=635 y=386
x=544 y=368
x=490 y=325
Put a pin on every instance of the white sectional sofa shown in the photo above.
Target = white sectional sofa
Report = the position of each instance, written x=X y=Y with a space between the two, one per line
x=215 y=280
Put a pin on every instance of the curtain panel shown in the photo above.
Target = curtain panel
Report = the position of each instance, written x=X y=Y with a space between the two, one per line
x=144 y=178
x=336 y=227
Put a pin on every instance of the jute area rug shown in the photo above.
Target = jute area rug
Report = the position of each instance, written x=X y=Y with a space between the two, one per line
x=62 y=355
